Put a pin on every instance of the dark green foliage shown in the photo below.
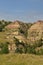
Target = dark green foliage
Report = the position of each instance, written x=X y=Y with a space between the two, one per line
x=1 y=27
x=21 y=31
x=31 y=50
x=4 y=48
x=20 y=46
x=3 y=23
x=19 y=50
x=39 y=52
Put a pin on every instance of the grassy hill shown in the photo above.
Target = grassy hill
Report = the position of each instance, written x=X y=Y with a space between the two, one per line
x=3 y=23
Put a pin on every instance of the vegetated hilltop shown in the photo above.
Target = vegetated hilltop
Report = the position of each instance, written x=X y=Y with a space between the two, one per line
x=3 y=23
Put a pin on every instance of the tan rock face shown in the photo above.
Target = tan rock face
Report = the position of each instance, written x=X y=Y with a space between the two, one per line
x=36 y=31
x=13 y=25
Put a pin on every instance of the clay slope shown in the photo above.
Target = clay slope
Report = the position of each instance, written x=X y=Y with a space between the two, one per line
x=16 y=29
x=36 y=31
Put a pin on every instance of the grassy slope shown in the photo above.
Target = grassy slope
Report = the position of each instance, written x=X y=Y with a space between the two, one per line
x=18 y=59
x=2 y=37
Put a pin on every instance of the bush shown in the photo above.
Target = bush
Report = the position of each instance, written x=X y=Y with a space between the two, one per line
x=39 y=52
x=4 y=48
x=30 y=49
x=19 y=50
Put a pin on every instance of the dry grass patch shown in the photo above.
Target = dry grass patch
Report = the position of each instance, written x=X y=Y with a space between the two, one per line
x=21 y=59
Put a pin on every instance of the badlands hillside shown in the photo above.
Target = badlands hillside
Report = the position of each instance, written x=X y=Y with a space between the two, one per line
x=17 y=29
x=35 y=32
x=23 y=36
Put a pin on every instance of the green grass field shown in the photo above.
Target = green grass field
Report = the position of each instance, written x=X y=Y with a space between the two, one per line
x=21 y=59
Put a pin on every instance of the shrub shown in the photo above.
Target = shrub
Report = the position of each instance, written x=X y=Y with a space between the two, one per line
x=19 y=50
x=30 y=49
x=4 y=48
x=39 y=52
